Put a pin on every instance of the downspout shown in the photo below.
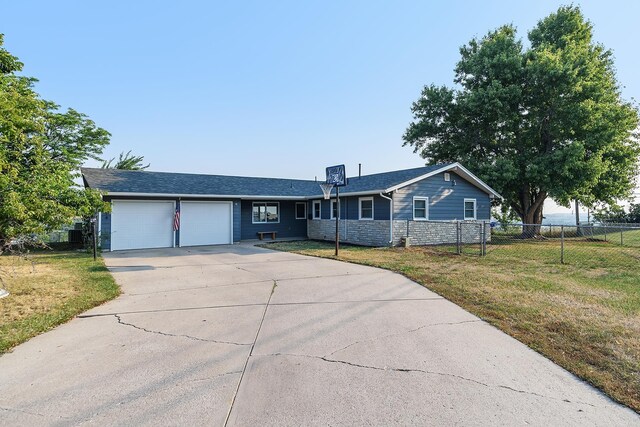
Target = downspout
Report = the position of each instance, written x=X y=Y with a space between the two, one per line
x=390 y=199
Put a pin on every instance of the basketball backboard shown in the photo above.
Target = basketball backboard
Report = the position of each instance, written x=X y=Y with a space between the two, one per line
x=336 y=175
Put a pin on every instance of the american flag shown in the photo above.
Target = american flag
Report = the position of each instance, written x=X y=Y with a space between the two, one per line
x=176 y=220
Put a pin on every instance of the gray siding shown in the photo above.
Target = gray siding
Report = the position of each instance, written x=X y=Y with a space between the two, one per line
x=446 y=201
x=288 y=226
x=237 y=220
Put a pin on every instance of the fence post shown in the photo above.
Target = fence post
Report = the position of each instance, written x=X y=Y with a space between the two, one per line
x=484 y=238
x=605 y=231
x=621 y=240
x=458 y=232
x=562 y=244
x=407 y=228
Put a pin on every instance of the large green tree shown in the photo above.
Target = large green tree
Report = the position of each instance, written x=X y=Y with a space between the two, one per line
x=41 y=150
x=536 y=122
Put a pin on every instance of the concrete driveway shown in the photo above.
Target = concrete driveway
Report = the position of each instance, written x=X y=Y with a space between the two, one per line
x=247 y=336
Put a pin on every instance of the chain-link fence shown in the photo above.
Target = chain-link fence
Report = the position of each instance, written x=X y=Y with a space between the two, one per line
x=569 y=244
x=72 y=234
x=589 y=244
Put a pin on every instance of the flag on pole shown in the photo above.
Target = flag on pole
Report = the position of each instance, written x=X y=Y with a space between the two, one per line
x=176 y=220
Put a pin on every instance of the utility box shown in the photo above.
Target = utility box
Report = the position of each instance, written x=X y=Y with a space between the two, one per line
x=405 y=242
x=75 y=237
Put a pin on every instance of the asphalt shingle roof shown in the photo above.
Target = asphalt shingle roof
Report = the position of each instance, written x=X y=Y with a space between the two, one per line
x=124 y=181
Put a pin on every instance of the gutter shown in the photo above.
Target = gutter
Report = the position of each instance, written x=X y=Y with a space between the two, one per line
x=390 y=199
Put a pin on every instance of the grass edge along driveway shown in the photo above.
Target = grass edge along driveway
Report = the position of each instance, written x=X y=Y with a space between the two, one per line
x=583 y=316
x=49 y=288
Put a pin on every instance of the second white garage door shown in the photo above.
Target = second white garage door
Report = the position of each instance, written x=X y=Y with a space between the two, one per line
x=206 y=223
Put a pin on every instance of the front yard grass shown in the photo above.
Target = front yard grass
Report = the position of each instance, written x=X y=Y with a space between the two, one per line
x=584 y=315
x=48 y=289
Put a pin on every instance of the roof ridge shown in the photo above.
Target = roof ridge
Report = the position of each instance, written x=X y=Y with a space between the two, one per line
x=191 y=174
x=435 y=166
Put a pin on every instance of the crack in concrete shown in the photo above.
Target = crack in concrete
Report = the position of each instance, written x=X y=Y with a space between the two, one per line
x=201 y=287
x=214 y=307
x=403 y=332
x=166 y=334
x=324 y=276
x=167 y=310
x=423 y=371
x=246 y=363
x=3 y=408
x=196 y=380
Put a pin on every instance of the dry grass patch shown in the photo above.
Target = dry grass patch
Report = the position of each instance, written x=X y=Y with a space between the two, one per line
x=584 y=315
x=48 y=289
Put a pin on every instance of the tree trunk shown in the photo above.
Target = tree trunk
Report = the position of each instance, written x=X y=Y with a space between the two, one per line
x=531 y=214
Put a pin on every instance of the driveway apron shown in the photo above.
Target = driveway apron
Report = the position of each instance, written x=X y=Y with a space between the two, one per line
x=239 y=335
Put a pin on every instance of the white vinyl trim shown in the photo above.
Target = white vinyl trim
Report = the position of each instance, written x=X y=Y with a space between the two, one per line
x=319 y=203
x=360 y=200
x=475 y=209
x=426 y=208
x=459 y=169
x=332 y=201
x=205 y=196
x=265 y=203
x=305 y=210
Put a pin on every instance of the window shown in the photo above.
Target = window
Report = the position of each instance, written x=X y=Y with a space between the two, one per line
x=301 y=210
x=266 y=212
x=316 y=209
x=334 y=209
x=366 y=207
x=469 y=208
x=420 y=208
x=447 y=176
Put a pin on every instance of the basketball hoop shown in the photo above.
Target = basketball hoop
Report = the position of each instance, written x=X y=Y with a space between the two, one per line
x=326 y=190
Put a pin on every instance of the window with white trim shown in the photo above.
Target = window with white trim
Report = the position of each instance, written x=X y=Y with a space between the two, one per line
x=317 y=209
x=301 y=210
x=266 y=212
x=420 y=208
x=334 y=209
x=365 y=207
x=469 y=208
x=447 y=176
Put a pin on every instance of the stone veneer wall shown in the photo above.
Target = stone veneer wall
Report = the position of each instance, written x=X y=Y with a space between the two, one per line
x=376 y=233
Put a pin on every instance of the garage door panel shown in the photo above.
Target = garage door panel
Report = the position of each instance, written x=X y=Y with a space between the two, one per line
x=141 y=224
x=205 y=223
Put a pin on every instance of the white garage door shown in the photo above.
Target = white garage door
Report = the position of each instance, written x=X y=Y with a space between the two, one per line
x=139 y=225
x=206 y=223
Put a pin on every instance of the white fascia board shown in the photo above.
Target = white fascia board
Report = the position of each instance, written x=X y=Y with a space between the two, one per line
x=457 y=167
x=200 y=196
x=420 y=178
x=355 y=193
x=477 y=181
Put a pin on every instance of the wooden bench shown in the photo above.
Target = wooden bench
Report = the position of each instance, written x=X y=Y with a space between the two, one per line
x=262 y=233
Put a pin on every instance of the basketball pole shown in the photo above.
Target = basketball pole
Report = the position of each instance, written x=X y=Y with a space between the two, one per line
x=337 y=218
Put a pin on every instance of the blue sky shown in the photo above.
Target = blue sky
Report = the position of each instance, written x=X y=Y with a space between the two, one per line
x=280 y=88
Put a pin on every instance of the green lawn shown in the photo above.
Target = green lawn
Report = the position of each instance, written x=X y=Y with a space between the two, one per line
x=48 y=289
x=584 y=314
